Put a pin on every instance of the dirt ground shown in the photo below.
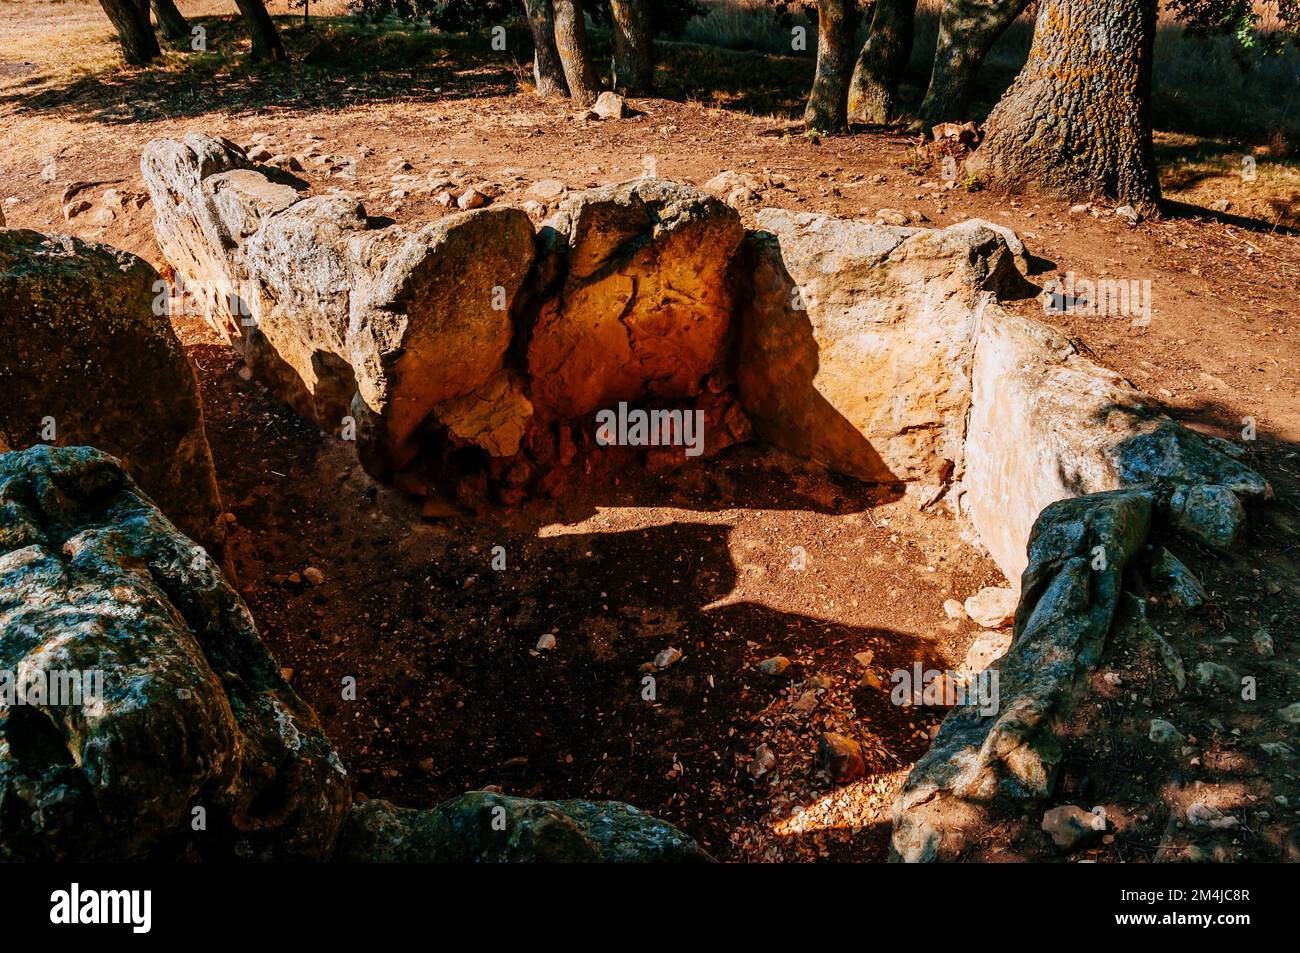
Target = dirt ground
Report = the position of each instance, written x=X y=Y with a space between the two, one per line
x=453 y=693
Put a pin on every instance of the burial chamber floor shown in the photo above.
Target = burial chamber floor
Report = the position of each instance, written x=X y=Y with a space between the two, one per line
x=452 y=692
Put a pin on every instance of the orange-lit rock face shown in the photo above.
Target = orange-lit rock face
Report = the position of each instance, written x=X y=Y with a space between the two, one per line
x=645 y=304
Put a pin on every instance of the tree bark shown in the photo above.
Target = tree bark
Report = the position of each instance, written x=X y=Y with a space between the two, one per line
x=634 y=61
x=548 y=73
x=828 y=103
x=571 y=42
x=134 y=31
x=173 y=23
x=967 y=31
x=1077 y=120
x=266 y=40
x=884 y=56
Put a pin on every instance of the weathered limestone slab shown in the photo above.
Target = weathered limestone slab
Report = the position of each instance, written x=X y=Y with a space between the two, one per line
x=342 y=318
x=1048 y=423
x=856 y=344
x=88 y=360
x=191 y=725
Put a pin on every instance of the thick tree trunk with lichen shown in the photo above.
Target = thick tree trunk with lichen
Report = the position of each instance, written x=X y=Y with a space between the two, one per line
x=172 y=22
x=884 y=56
x=1077 y=120
x=827 y=107
x=634 y=62
x=575 y=56
x=967 y=30
x=134 y=31
x=548 y=74
x=266 y=39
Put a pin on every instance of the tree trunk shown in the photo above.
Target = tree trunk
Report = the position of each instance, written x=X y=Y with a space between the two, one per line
x=967 y=30
x=571 y=42
x=880 y=65
x=174 y=25
x=134 y=31
x=634 y=60
x=1077 y=120
x=548 y=74
x=828 y=103
x=266 y=40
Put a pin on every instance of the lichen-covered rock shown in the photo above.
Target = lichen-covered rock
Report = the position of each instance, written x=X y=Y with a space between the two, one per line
x=483 y=826
x=644 y=303
x=1185 y=589
x=343 y=318
x=88 y=360
x=857 y=340
x=1071 y=590
x=189 y=742
x=1208 y=514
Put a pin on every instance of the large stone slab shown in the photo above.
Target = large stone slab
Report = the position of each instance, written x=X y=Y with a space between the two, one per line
x=87 y=359
x=1048 y=423
x=857 y=341
x=192 y=745
x=342 y=317
x=483 y=826
x=981 y=761
x=644 y=302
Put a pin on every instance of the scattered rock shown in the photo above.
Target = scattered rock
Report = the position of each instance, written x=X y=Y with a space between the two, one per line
x=667 y=658
x=776 y=665
x=987 y=649
x=840 y=757
x=1205 y=815
x=1290 y=714
x=892 y=216
x=993 y=606
x=546 y=642
x=1164 y=733
x=954 y=609
x=610 y=105
x=1262 y=640
x=471 y=198
x=764 y=761
x=1072 y=827
x=285 y=163
x=1212 y=675
x=313 y=575
x=547 y=189
x=75 y=208
x=1128 y=214
x=1184 y=587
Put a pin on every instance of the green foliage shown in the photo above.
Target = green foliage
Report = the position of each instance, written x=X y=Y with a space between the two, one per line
x=1242 y=19
x=443 y=14
x=670 y=16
